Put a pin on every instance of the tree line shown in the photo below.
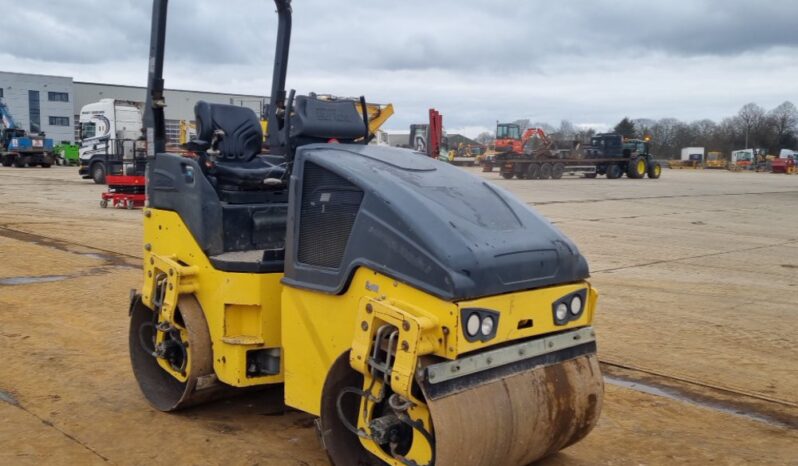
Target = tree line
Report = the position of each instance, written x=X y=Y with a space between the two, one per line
x=752 y=127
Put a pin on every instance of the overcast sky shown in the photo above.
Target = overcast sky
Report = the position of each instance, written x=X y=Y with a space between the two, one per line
x=590 y=61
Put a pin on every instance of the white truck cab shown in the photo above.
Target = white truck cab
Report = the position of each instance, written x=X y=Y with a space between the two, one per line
x=108 y=131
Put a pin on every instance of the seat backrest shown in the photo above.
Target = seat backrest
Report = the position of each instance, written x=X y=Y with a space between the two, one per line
x=243 y=136
x=320 y=120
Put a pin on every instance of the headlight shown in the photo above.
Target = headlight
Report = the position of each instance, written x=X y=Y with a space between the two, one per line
x=561 y=312
x=576 y=304
x=487 y=326
x=472 y=324
x=569 y=307
x=479 y=324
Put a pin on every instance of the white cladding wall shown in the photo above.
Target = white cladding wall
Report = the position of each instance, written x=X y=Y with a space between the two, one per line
x=179 y=103
x=15 y=89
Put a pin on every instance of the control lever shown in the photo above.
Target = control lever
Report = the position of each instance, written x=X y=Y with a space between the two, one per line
x=213 y=151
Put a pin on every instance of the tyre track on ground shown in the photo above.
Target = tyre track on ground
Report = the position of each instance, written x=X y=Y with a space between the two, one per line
x=8 y=398
x=633 y=373
x=643 y=198
x=697 y=256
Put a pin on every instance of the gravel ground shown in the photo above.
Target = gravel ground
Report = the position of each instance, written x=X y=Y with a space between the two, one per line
x=698 y=274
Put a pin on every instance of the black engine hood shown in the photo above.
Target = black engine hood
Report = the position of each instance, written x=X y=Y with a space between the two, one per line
x=428 y=224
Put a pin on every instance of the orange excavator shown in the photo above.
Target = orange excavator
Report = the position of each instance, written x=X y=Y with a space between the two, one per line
x=510 y=139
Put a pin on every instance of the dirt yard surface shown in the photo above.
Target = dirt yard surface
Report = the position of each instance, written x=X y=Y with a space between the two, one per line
x=698 y=274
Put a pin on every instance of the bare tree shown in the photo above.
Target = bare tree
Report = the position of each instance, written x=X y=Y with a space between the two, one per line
x=784 y=120
x=544 y=126
x=644 y=126
x=684 y=136
x=485 y=138
x=566 y=130
x=704 y=129
x=565 y=135
x=728 y=135
x=662 y=137
x=583 y=135
x=523 y=124
x=750 y=127
x=750 y=117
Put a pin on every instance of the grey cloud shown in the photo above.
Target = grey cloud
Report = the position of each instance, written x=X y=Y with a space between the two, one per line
x=477 y=61
x=701 y=27
x=79 y=31
x=508 y=36
x=96 y=31
x=501 y=36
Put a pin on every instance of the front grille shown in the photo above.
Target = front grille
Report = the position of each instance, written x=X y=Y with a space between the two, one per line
x=329 y=208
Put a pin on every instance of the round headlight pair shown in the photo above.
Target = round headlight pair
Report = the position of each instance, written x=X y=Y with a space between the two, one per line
x=569 y=307
x=482 y=325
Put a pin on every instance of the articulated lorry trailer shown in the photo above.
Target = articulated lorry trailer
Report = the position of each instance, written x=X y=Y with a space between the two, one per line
x=110 y=132
x=608 y=154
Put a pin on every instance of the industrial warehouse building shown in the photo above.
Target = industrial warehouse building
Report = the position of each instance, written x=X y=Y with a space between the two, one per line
x=51 y=104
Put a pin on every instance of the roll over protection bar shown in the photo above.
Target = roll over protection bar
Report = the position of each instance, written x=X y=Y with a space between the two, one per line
x=278 y=135
x=153 y=120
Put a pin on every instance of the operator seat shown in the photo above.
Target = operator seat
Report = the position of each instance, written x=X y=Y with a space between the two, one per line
x=238 y=165
x=315 y=120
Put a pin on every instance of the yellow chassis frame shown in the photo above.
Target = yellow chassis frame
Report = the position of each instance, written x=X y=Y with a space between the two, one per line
x=248 y=311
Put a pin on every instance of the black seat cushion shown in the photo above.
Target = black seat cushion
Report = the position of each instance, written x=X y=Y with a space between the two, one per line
x=316 y=120
x=239 y=165
x=246 y=174
x=274 y=159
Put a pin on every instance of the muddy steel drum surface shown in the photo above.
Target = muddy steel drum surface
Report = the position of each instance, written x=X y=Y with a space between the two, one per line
x=520 y=418
x=163 y=391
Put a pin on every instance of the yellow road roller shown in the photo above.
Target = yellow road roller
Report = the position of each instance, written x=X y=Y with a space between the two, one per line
x=424 y=315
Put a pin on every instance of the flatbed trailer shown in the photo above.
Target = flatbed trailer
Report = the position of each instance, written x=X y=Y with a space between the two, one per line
x=608 y=154
x=463 y=161
x=512 y=166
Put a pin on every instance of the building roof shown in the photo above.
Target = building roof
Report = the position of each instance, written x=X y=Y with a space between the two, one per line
x=38 y=74
x=91 y=83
